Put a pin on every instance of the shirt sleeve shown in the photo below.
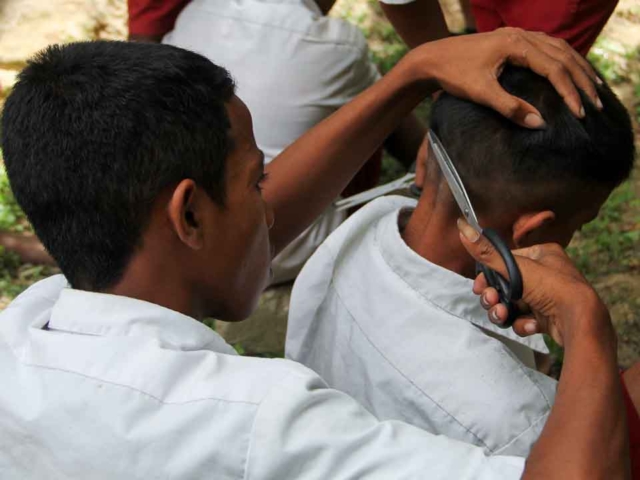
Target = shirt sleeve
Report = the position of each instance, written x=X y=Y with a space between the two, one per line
x=153 y=17
x=305 y=430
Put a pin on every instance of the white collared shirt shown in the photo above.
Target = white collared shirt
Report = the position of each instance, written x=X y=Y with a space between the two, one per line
x=293 y=67
x=406 y=338
x=99 y=386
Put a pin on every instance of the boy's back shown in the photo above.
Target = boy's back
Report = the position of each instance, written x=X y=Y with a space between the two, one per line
x=384 y=307
x=104 y=386
x=406 y=338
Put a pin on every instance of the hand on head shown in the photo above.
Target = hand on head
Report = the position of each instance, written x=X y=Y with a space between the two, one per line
x=469 y=67
x=557 y=298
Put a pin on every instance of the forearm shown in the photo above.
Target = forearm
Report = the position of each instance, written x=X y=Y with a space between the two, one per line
x=418 y=22
x=403 y=144
x=586 y=435
x=311 y=173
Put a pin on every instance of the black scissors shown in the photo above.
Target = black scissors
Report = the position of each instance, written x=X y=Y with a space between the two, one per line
x=510 y=290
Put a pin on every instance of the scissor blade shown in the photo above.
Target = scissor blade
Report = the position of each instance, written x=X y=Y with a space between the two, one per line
x=455 y=183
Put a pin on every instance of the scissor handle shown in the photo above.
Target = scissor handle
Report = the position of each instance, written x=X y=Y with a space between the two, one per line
x=510 y=291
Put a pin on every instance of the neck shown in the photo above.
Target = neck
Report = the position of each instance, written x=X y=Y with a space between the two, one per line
x=432 y=233
x=156 y=282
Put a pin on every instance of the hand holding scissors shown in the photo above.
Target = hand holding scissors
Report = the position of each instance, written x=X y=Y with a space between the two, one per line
x=509 y=290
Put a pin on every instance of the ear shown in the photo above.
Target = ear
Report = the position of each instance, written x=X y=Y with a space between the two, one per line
x=421 y=162
x=184 y=212
x=528 y=228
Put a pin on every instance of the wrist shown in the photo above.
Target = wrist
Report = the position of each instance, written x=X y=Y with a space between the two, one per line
x=419 y=70
x=589 y=321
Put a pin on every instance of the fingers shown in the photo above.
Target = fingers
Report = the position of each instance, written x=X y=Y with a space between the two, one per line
x=482 y=250
x=497 y=313
x=525 y=327
x=579 y=69
x=515 y=109
x=480 y=284
x=526 y=53
x=489 y=298
x=563 y=45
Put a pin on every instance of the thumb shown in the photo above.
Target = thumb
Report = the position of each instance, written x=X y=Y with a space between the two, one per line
x=484 y=252
x=533 y=273
x=480 y=248
x=515 y=109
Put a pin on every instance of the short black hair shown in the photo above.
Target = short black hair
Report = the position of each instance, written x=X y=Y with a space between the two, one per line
x=505 y=166
x=93 y=132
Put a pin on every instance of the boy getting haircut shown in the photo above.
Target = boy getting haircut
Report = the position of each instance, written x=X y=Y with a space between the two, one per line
x=559 y=168
x=383 y=310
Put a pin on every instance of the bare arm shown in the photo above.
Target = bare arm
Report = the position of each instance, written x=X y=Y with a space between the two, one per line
x=325 y=159
x=418 y=22
x=585 y=435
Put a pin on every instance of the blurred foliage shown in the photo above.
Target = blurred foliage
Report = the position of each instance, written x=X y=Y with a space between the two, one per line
x=610 y=241
x=387 y=48
x=611 y=60
x=11 y=216
x=16 y=276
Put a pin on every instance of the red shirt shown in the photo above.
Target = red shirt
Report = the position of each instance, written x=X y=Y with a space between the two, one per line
x=579 y=22
x=153 y=18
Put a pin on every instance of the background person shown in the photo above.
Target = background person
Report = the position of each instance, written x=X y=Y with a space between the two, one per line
x=150 y=20
x=578 y=22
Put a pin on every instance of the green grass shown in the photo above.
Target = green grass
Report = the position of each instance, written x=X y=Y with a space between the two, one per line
x=609 y=243
x=610 y=59
x=387 y=48
x=11 y=216
x=15 y=276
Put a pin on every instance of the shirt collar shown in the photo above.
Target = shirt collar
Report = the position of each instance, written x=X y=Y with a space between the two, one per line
x=90 y=313
x=442 y=288
x=313 y=6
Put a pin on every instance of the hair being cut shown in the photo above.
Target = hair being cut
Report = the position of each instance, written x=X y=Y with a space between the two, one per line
x=93 y=132
x=505 y=165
